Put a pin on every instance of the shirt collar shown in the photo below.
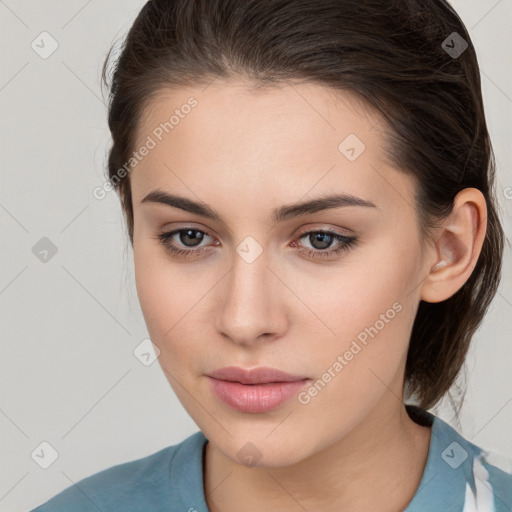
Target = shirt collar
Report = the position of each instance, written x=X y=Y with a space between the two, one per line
x=448 y=469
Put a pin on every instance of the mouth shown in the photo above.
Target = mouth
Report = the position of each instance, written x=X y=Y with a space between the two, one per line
x=255 y=391
x=261 y=375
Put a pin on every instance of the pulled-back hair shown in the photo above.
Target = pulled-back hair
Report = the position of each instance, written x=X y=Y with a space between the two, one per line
x=394 y=55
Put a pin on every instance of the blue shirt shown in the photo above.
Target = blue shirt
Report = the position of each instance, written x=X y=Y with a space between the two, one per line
x=458 y=477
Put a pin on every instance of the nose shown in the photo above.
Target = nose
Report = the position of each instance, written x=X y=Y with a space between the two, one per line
x=251 y=300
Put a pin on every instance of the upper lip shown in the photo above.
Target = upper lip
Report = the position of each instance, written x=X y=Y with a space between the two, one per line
x=261 y=375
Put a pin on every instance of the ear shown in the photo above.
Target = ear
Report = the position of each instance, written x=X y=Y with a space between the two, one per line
x=457 y=246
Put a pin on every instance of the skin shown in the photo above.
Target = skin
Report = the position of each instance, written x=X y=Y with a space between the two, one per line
x=245 y=153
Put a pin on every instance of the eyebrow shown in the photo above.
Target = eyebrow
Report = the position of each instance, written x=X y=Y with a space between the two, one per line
x=286 y=212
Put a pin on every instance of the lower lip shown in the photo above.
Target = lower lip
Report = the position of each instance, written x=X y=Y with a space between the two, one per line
x=255 y=397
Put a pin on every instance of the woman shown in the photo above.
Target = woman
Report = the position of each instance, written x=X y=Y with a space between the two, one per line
x=308 y=191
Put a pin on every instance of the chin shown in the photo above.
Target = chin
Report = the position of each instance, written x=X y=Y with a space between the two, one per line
x=260 y=450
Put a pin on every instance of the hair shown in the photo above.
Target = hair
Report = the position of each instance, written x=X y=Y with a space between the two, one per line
x=391 y=55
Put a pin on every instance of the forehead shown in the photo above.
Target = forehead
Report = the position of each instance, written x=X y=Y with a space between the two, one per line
x=301 y=109
x=282 y=142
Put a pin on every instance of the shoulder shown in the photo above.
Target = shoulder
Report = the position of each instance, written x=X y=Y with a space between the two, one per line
x=459 y=475
x=493 y=475
x=141 y=484
x=485 y=476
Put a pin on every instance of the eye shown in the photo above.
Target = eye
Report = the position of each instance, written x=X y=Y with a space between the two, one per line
x=319 y=239
x=185 y=235
x=323 y=239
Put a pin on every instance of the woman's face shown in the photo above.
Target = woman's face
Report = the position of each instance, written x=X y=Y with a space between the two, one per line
x=258 y=289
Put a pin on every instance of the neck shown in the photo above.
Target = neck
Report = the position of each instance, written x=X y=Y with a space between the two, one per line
x=384 y=456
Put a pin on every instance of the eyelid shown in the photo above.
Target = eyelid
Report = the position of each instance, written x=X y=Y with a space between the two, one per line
x=303 y=230
x=346 y=243
x=327 y=227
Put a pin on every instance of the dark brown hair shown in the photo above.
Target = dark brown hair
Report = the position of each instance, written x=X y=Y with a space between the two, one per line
x=393 y=55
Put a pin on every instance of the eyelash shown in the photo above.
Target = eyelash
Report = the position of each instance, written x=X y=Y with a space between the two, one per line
x=347 y=242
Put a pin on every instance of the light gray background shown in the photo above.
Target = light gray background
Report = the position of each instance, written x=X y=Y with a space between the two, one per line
x=68 y=375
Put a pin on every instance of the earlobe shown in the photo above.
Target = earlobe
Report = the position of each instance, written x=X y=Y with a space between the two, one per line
x=457 y=246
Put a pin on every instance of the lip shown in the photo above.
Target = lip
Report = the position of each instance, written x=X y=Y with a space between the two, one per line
x=257 y=390
x=261 y=375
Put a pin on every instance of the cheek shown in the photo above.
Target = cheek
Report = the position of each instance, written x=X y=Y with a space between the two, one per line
x=366 y=312
x=160 y=302
x=353 y=296
x=357 y=300
x=171 y=305
x=150 y=284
